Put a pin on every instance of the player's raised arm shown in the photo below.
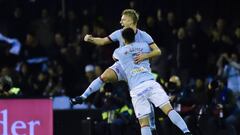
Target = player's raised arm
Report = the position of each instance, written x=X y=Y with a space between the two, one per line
x=97 y=40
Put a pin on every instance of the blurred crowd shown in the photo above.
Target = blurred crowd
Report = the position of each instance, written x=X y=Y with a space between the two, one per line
x=43 y=54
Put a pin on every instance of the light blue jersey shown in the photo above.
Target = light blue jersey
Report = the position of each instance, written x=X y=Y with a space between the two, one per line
x=136 y=73
x=140 y=36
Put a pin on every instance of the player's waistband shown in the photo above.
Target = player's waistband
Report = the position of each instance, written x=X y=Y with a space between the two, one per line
x=142 y=86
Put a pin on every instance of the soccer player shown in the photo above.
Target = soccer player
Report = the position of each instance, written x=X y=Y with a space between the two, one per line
x=143 y=88
x=115 y=73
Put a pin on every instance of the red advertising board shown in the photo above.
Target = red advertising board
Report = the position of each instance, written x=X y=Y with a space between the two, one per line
x=26 y=117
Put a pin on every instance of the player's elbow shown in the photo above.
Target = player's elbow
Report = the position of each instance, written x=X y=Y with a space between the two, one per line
x=158 y=52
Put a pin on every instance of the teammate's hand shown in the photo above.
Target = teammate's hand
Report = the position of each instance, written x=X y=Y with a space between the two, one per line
x=86 y=38
x=139 y=57
x=77 y=100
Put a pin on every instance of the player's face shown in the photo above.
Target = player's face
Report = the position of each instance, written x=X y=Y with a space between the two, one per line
x=126 y=21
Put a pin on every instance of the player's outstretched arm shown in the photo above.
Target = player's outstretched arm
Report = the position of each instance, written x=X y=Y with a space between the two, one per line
x=97 y=40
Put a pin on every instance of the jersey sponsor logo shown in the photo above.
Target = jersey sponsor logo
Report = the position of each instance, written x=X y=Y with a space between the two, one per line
x=138 y=70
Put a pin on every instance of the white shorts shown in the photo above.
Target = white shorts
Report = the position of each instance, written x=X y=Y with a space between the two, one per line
x=117 y=68
x=143 y=94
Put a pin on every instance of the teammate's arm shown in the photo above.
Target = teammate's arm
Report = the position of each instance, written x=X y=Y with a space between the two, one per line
x=97 y=41
x=155 y=51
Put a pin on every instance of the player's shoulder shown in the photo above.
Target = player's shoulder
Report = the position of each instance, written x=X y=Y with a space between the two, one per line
x=142 y=32
x=116 y=34
x=118 y=31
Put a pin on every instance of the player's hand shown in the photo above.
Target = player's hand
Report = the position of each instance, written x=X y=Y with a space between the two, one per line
x=87 y=37
x=77 y=100
x=139 y=57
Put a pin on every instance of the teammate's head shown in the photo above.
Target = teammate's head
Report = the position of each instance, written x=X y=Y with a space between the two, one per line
x=128 y=35
x=129 y=18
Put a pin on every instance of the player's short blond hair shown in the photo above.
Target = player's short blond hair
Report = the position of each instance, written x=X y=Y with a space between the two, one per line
x=131 y=13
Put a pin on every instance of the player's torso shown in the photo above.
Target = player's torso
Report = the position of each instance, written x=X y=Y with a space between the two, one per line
x=136 y=73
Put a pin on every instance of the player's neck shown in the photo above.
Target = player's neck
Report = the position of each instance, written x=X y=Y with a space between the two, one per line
x=134 y=29
x=128 y=43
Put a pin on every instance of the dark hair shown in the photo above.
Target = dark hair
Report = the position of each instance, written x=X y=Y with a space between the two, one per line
x=128 y=35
